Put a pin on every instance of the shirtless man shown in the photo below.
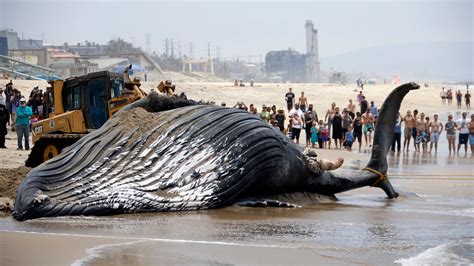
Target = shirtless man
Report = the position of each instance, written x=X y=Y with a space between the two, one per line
x=410 y=123
x=367 y=126
x=303 y=102
x=420 y=131
x=470 y=126
x=328 y=119
x=351 y=108
x=435 y=127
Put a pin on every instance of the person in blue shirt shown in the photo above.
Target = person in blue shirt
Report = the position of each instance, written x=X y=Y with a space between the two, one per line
x=23 y=114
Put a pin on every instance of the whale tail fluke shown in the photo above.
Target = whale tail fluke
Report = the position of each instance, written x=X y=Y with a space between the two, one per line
x=384 y=132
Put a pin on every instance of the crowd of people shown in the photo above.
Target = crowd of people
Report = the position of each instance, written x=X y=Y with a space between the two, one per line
x=447 y=97
x=18 y=112
x=356 y=123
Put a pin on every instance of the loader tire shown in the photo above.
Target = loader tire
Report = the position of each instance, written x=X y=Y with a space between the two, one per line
x=47 y=148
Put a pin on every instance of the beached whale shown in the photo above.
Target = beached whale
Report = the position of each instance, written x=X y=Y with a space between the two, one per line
x=175 y=154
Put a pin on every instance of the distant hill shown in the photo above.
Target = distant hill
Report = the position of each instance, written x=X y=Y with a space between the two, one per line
x=443 y=61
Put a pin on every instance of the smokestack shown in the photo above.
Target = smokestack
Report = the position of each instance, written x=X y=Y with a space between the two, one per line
x=312 y=53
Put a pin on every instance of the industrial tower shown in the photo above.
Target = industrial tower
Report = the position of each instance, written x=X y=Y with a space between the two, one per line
x=312 y=55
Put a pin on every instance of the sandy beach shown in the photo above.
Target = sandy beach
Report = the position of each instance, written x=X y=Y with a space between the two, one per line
x=426 y=100
x=433 y=217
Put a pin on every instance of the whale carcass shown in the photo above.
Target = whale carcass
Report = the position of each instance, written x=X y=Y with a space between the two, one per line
x=171 y=154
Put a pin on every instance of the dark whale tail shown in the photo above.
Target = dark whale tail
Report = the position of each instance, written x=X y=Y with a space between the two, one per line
x=384 y=132
x=375 y=173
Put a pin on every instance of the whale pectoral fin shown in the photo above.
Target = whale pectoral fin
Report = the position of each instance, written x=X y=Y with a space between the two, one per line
x=262 y=203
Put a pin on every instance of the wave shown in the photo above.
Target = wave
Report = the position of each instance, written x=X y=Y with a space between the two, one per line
x=445 y=254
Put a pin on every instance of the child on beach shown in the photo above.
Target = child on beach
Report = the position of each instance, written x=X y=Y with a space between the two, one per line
x=325 y=135
x=348 y=139
x=314 y=134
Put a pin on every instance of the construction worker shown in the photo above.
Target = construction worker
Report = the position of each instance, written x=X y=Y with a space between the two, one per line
x=166 y=87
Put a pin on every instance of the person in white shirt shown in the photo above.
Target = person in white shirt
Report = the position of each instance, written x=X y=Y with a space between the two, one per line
x=463 y=132
x=2 y=97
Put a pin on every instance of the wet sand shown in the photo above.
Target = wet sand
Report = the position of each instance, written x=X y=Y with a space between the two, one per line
x=435 y=211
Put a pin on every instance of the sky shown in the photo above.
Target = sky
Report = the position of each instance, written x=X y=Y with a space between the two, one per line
x=241 y=28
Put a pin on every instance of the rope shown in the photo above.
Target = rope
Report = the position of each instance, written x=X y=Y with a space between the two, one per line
x=382 y=177
x=433 y=178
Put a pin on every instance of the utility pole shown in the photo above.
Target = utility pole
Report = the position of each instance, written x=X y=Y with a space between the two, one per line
x=209 y=57
x=167 y=47
x=172 y=48
x=180 y=55
x=147 y=37
x=191 y=50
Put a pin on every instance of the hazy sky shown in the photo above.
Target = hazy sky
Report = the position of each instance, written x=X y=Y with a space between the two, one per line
x=241 y=28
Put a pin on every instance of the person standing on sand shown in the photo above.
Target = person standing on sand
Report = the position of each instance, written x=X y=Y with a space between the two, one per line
x=346 y=121
x=358 y=129
x=414 y=130
x=450 y=128
x=420 y=131
x=265 y=115
x=467 y=98
x=290 y=99
x=23 y=113
x=360 y=97
x=410 y=122
x=470 y=126
x=303 y=102
x=435 y=128
x=14 y=104
x=328 y=120
x=364 y=105
x=397 y=136
x=280 y=118
x=308 y=121
x=348 y=139
x=337 y=134
x=450 y=97
x=314 y=115
x=4 y=120
x=367 y=127
x=443 y=94
x=297 y=125
x=463 y=132
x=374 y=111
x=459 y=99
x=351 y=108
x=3 y=100
x=314 y=133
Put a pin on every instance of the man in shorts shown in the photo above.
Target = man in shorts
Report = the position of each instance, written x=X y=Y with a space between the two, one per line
x=467 y=98
x=443 y=94
x=471 y=133
x=367 y=127
x=410 y=123
x=435 y=129
x=463 y=132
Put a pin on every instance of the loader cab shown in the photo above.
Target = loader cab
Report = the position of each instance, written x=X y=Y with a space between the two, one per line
x=91 y=94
